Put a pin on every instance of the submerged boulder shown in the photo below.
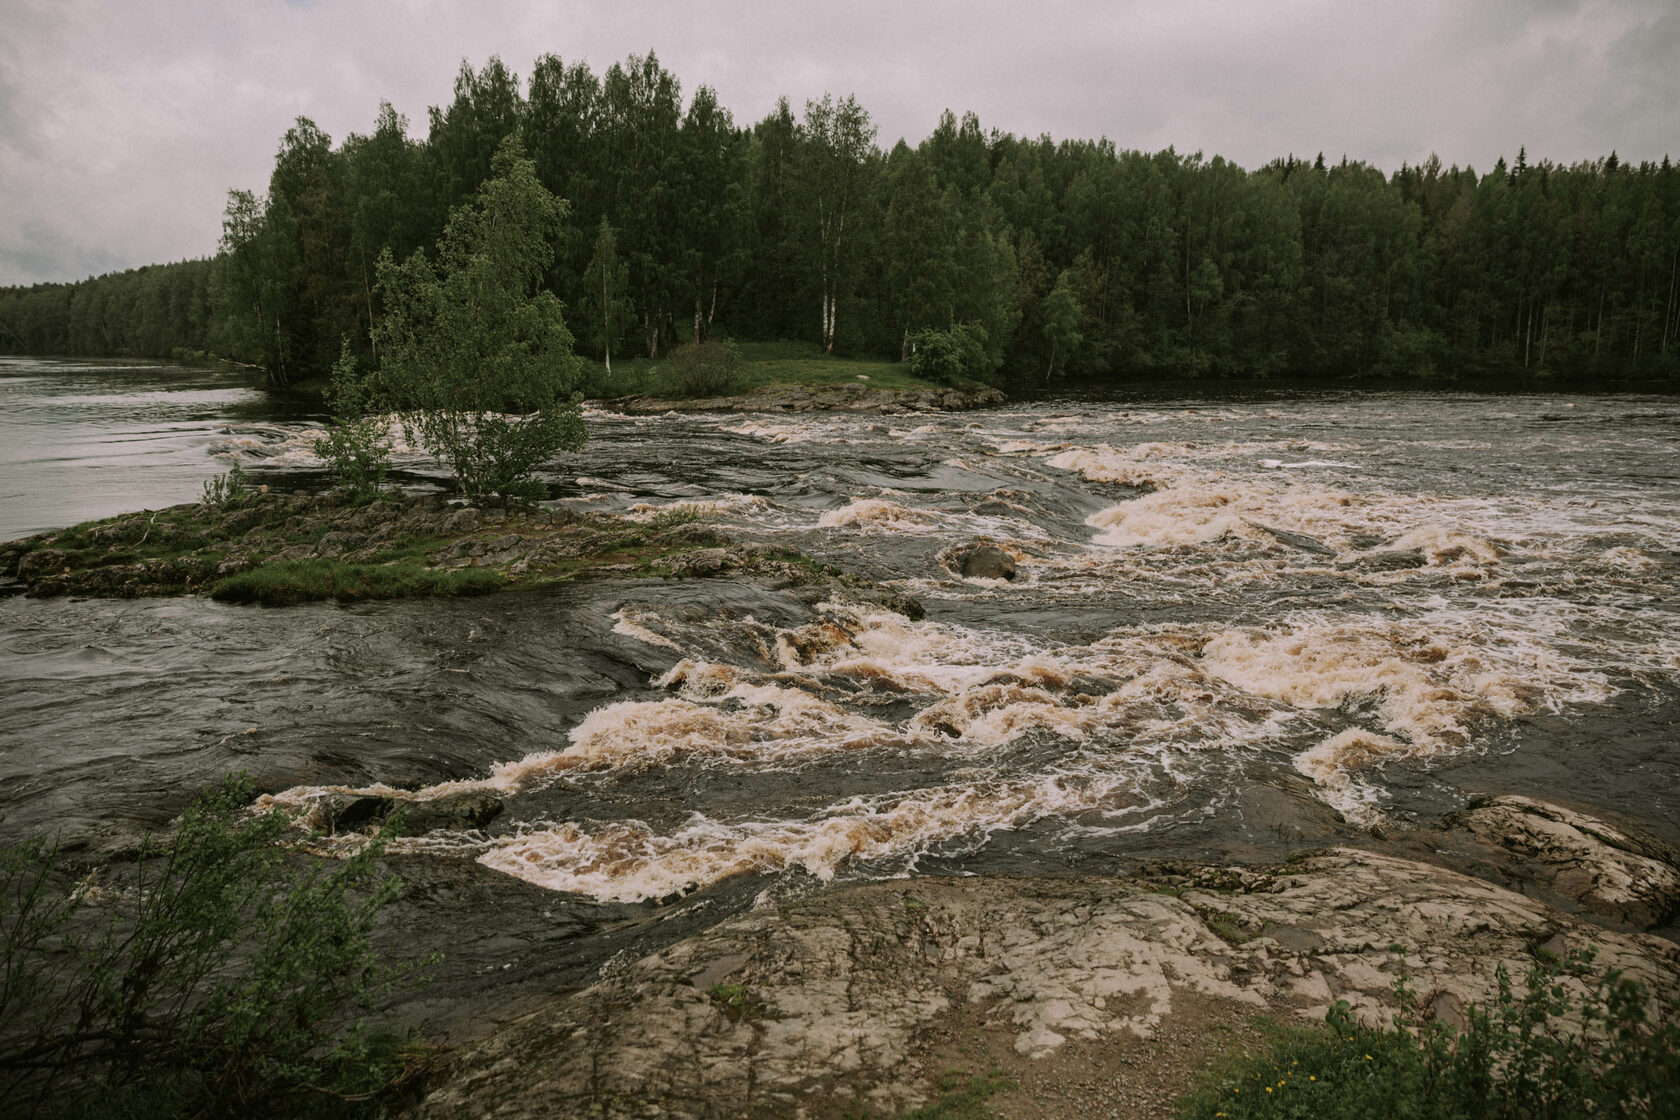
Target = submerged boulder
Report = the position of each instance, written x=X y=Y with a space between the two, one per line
x=457 y=812
x=1386 y=560
x=350 y=812
x=981 y=561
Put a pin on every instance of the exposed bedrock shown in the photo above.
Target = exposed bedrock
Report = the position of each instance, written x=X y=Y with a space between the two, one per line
x=1615 y=873
x=811 y=1007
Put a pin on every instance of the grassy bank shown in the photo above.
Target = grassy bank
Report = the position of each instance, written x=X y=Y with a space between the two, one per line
x=764 y=366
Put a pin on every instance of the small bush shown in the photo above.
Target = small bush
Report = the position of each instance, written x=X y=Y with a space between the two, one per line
x=229 y=491
x=951 y=357
x=211 y=978
x=356 y=448
x=1544 y=1056
x=703 y=369
x=738 y=1002
x=284 y=583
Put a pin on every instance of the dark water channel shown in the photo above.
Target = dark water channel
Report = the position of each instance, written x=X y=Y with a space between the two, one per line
x=1238 y=626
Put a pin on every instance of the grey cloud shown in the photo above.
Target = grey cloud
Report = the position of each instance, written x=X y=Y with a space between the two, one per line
x=123 y=125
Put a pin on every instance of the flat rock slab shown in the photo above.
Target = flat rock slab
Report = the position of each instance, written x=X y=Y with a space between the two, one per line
x=1615 y=873
x=819 y=1006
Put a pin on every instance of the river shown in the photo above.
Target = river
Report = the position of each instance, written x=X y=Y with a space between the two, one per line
x=1241 y=624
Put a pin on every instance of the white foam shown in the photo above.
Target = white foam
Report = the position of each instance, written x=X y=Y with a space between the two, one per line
x=627 y=861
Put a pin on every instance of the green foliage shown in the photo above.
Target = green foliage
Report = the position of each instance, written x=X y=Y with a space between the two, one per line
x=476 y=355
x=284 y=583
x=1062 y=314
x=1180 y=265
x=951 y=357
x=213 y=977
x=606 y=282
x=673 y=516
x=229 y=491
x=738 y=1002
x=702 y=369
x=356 y=447
x=1546 y=1055
x=962 y=1096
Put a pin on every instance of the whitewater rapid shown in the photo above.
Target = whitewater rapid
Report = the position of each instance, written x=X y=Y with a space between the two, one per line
x=1345 y=595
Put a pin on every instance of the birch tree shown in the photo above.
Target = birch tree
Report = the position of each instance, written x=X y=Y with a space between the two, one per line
x=838 y=140
x=606 y=284
x=476 y=353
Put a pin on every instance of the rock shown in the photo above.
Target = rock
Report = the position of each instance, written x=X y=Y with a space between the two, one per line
x=1386 y=560
x=350 y=812
x=702 y=562
x=457 y=812
x=370 y=516
x=42 y=562
x=338 y=542
x=835 y=996
x=243 y=518
x=465 y=520
x=1603 y=870
x=981 y=561
x=1296 y=540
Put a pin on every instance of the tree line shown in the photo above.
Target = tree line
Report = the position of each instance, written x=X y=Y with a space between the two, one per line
x=1025 y=259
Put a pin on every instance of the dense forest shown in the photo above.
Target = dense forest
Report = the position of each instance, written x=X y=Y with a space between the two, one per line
x=1052 y=259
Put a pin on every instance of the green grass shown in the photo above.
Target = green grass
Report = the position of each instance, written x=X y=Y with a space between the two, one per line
x=738 y=1002
x=286 y=582
x=768 y=365
x=962 y=1096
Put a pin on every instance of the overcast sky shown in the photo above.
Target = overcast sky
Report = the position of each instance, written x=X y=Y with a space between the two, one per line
x=123 y=123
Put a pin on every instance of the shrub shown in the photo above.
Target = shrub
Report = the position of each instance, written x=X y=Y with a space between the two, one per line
x=228 y=491
x=215 y=978
x=951 y=357
x=702 y=369
x=355 y=448
x=1544 y=1055
x=476 y=353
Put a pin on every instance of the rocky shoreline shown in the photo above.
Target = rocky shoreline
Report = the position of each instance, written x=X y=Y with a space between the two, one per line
x=394 y=547
x=1096 y=996
x=815 y=398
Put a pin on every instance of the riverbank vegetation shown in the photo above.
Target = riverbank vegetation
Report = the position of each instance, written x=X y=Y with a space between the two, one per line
x=211 y=975
x=1032 y=259
x=757 y=366
x=1570 y=1045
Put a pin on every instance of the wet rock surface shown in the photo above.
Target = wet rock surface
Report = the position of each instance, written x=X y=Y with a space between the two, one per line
x=981 y=561
x=355 y=812
x=1614 y=873
x=847 y=1000
x=196 y=546
x=817 y=398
